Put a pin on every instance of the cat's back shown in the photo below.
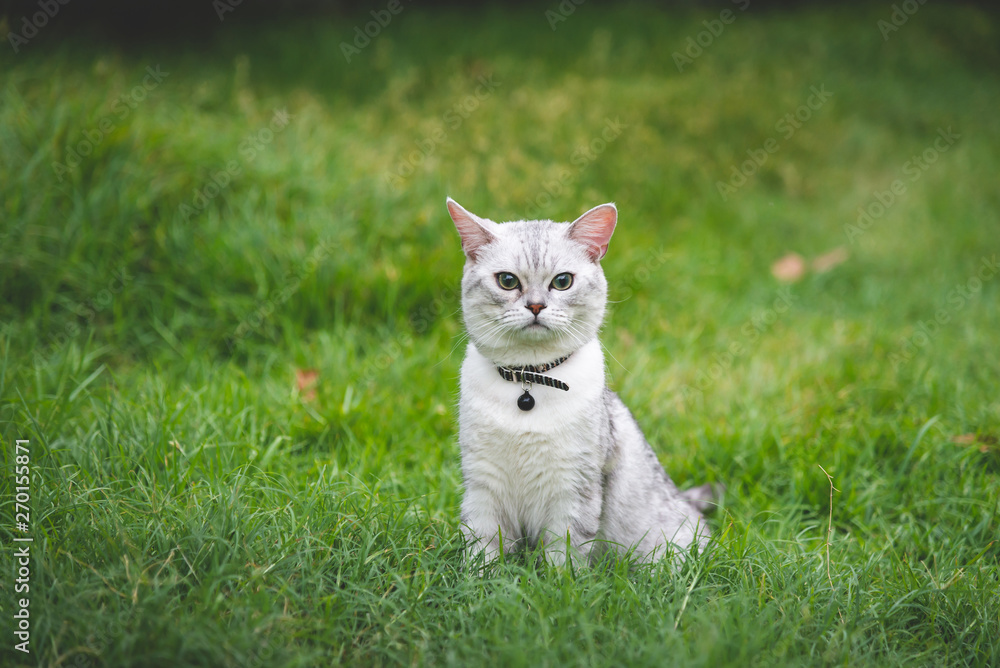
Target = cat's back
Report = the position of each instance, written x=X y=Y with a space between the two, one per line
x=642 y=505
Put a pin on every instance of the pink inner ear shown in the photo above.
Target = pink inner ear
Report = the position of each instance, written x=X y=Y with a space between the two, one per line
x=474 y=235
x=594 y=229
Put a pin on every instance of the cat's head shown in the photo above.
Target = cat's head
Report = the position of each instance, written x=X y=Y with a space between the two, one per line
x=533 y=290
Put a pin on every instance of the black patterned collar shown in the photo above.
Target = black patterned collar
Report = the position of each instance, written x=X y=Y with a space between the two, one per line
x=532 y=373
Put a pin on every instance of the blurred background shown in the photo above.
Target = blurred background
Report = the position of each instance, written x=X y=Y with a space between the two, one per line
x=224 y=250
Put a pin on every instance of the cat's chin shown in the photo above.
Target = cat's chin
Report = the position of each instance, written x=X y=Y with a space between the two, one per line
x=534 y=346
x=536 y=333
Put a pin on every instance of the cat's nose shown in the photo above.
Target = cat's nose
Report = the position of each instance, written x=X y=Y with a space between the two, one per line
x=535 y=308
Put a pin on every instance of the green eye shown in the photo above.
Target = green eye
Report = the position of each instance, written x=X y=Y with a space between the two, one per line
x=562 y=281
x=507 y=280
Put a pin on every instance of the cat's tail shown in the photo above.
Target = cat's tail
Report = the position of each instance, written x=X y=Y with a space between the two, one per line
x=705 y=498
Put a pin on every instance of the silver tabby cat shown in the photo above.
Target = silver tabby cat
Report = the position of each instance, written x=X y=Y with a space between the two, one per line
x=550 y=455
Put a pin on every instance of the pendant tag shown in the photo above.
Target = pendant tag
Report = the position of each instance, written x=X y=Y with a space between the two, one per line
x=525 y=402
x=526 y=375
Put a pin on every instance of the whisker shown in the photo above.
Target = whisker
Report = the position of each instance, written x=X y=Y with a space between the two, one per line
x=575 y=333
x=612 y=356
x=462 y=338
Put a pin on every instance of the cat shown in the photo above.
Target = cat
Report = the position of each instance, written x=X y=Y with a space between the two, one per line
x=551 y=457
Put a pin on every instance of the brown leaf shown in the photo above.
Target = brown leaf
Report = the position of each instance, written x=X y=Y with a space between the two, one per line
x=829 y=260
x=986 y=442
x=789 y=269
x=306 y=380
x=626 y=338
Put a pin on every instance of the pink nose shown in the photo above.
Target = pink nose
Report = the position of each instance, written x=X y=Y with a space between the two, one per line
x=535 y=308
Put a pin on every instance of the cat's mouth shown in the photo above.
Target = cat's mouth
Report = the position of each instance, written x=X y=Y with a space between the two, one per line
x=536 y=331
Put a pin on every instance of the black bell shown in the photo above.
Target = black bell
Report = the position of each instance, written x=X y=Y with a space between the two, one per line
x=525 y=402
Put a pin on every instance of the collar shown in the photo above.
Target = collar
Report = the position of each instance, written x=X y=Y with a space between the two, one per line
x=532 y=373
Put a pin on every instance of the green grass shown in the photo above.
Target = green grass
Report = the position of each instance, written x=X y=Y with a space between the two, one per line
x=191 y=507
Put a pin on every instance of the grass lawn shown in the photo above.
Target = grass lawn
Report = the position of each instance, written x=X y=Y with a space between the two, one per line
x=229 y=331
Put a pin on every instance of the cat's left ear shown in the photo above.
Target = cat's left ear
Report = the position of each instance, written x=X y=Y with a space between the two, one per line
x=594 y=229
x=471 y=228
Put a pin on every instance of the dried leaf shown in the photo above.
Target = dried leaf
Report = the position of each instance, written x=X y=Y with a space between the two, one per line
x=986 y=442
x=625 y=337
x=829 y=260
x=306 y=380
x=790 y=268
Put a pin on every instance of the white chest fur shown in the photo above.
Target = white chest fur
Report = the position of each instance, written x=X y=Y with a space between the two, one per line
x=529 y=465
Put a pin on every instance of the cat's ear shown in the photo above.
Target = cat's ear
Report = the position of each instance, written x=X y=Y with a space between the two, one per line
x=472 y=229
x=594 y=229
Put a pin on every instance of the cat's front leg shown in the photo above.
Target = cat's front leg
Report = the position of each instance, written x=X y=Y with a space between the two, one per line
x=481 y=544
x=571 y=538
x=568 y=546
x=572 y=526
x=486 y=534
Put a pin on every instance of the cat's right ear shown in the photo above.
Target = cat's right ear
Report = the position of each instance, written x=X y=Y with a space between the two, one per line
x=472 y=229
x=594 y=229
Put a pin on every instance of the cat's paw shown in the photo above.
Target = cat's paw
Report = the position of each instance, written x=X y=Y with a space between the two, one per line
x=705 y=498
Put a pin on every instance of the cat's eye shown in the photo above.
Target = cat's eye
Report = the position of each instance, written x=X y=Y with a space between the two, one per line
x=508 y=281
x=562 y=281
